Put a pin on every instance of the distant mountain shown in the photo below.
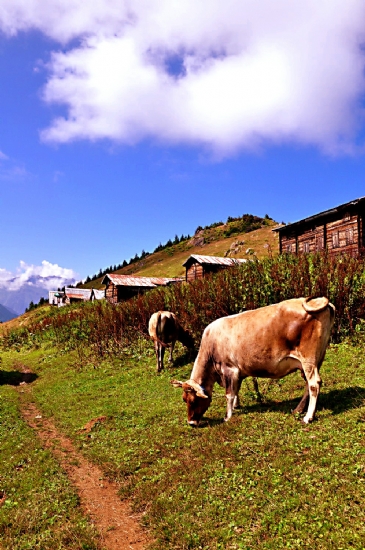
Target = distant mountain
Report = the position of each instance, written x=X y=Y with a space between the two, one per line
x=19 y=300
x=31 y=290
x=6 y=314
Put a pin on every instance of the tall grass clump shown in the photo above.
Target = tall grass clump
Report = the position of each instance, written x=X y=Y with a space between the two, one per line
x=101 y=328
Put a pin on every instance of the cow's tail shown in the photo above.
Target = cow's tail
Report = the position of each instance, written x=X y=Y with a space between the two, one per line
x=155 y=331
x=316 y=305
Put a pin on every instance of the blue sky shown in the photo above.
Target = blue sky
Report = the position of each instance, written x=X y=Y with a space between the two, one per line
x=123 y=124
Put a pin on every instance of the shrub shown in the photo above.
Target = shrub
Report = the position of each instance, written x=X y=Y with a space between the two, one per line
x=102 y=328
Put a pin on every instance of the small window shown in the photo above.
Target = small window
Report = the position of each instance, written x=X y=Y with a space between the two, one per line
x=289 y=248
x=349 y=236
x=335 y=240
x=306 y=247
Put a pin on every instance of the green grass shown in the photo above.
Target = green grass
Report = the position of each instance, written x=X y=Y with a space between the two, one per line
x=39 y=507
x=261 y=481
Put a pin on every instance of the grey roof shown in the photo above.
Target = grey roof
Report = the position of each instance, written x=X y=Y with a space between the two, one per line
x=80 y=293
x=214 y=260
x=127 y=280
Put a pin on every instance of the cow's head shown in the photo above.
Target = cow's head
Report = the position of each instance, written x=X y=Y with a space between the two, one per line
x=196 y=399
x=186 y=338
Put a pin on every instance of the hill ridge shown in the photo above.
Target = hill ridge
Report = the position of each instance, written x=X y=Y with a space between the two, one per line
x=241 y=237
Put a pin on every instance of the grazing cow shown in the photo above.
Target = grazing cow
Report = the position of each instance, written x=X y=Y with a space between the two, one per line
x=269 y=342
x=165 y=329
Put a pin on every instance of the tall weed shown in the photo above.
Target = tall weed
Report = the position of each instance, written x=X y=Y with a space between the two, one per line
x=98 y=329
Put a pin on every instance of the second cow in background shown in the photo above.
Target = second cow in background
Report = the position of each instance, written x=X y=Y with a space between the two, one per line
x=165 y=329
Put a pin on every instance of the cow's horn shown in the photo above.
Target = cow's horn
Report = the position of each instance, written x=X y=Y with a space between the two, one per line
x=176 y=383
x=200 y=392
x=315 y=305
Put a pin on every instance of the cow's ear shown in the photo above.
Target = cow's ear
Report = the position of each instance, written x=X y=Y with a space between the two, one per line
x=176 y=383
x=192 y=386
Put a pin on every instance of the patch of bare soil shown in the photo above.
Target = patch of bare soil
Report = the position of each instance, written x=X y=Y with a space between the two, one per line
x=117 y=525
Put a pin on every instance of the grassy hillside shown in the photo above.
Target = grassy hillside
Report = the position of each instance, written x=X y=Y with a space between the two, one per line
x=261 y=481
x=24 y=320
x=212 y=241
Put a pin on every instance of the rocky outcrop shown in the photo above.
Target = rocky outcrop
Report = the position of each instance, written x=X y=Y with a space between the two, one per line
x=198 y=239
x=234 y=249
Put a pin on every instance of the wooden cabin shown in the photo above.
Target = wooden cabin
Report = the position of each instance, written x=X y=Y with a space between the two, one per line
x=119 y=288
x=338 y=230
x=197 y=266
x=74 y=295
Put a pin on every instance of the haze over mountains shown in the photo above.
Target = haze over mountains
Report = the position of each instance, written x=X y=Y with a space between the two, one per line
x=31 y=283
x=18 y=300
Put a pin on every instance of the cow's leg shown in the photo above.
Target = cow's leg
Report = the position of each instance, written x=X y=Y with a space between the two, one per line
x=162 y=353
x=231 y=382
x=302 y=405
x=157 y=355
x=314 y=384
x=236 y=401
x=257 y=390
x=172 y=345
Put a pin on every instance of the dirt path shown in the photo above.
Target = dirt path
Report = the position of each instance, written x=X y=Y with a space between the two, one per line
x=118 y=527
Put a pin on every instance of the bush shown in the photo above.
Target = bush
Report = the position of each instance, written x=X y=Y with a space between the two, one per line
x=102 y=328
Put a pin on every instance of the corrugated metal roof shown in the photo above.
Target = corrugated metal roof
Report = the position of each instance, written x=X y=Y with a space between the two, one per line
x=216 y=260
x=81 y=293
x=127 y=280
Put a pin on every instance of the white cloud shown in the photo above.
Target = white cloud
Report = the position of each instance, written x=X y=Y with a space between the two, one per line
x=244 y=71
x=47 y=275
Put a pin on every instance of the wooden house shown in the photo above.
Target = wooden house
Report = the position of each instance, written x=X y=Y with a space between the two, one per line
x=123 y=287
x=198 y=266
x=74 y=295
x=338 y=230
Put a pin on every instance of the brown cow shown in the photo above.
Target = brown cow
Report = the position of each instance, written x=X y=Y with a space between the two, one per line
x=269 y=342
x=165 y=329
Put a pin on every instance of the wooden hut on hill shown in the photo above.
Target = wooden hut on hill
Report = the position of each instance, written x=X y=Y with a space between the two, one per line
x=198 y=266
x=73 y=295
x=122 y=287
x=338 y=230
